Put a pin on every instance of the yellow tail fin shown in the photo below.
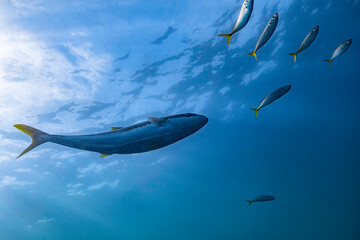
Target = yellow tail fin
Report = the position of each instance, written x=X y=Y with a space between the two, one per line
x=329 y=61
x=249 y=201
x=293 y=54
x=228 y=36
x=256 y=111
x=38 y=137
x=253 y=54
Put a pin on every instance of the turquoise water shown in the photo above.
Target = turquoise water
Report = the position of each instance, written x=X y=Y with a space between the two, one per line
x=82 y=67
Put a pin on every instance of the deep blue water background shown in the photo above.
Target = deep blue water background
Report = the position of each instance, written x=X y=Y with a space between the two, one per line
x=162 y=58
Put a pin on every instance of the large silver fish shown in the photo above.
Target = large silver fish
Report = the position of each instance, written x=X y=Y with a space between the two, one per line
x=261 y=198
x=243 y=18
x=266 y=34
x=272 y=97
x=142 y=137
x=308 y=40
x=340 y=50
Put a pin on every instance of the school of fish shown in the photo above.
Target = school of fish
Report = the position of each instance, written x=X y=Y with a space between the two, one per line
x=243 y=19
x=160 y=132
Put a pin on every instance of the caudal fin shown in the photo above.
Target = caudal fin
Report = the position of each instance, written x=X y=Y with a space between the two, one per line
x=228 y=37
x=38 y=137
x=329 y=61
x=249 y=201
x=256 y=111
x=253 y=54
x=294 y=55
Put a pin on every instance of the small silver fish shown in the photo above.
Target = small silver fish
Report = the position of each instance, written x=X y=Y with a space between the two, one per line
x=261 y=198
x=272 y=97
x=340 y=50
x=308 y=40
x=242 y=20
x=266 y=34
x=142 y=137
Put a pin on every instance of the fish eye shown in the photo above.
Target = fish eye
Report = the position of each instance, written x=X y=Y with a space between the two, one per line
x=314 y=30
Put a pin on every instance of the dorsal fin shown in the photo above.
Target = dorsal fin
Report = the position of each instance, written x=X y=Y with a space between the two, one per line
x=102 y=155
x=116 y=128
x=158 y=121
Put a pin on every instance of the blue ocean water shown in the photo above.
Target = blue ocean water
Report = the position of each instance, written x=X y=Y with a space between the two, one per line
x=82 y=67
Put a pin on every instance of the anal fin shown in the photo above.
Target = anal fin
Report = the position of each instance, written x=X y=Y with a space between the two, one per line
x=116 y=128
x=102 y=155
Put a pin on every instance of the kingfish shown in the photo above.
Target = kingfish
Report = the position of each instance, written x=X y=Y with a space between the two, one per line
x=243 y=18
x=142 y=137
x=261 y=198
x=340 y=50
x=272 y=97
x=266 y=34
x=308 y=40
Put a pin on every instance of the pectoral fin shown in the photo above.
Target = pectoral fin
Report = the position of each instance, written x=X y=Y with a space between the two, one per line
x=158 y=121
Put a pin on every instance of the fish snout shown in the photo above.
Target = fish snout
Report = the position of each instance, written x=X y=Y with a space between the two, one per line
x=194 y=121
x=203 y=120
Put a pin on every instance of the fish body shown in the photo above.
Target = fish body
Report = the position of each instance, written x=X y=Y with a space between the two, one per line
x=308 y=40
x=142 y=137
x=261 y=198
x=340 y=50
x=266 y=34
x=242 y=20
x=272 y=97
